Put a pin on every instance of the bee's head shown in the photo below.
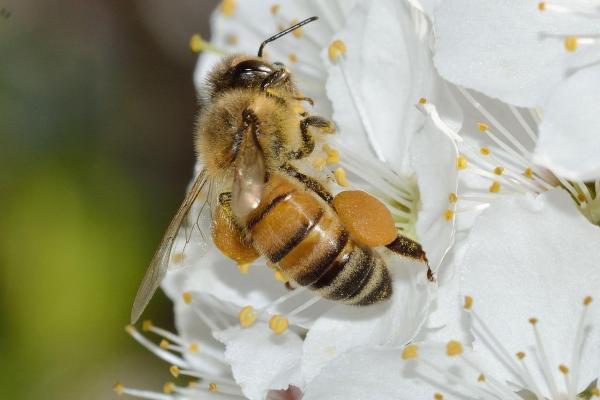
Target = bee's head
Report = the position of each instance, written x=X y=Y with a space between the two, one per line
x=240 y=71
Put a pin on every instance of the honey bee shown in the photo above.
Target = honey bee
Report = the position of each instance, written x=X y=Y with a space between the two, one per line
x=249 y=137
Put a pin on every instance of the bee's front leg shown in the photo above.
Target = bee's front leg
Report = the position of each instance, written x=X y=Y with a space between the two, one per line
x=308 y=142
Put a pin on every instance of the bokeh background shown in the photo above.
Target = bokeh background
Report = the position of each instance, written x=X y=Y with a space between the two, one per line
x=97 y=110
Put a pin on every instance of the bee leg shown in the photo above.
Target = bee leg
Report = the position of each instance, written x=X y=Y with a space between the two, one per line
x=310 y=183
x=307 y=99
x=274 y=78
x=308 y=142
x=409 y=248
x=228 y=236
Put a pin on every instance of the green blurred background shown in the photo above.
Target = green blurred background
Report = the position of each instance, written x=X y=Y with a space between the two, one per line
x=97 y=109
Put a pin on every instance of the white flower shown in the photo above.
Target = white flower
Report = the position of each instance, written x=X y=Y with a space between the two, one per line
x=209 y=367
x=496 y=145
x=523 y=52
x=379 y=152
x=528 y=274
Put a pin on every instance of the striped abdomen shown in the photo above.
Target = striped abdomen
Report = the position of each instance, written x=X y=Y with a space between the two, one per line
x=305 y=238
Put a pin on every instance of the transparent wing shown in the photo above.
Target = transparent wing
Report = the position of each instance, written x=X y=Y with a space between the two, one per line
x=161 y=260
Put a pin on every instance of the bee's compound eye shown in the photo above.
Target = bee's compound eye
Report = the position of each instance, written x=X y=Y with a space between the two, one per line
x=251 y=68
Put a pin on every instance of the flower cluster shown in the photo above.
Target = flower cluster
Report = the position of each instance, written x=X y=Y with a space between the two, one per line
x=476 y=124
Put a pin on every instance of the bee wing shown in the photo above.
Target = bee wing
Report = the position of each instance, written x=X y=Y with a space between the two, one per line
x=160 y=262
x=249 y=175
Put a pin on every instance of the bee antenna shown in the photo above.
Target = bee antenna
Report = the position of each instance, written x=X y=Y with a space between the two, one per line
x=285 y=32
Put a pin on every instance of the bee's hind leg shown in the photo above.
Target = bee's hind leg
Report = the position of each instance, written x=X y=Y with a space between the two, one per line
x=408 y=248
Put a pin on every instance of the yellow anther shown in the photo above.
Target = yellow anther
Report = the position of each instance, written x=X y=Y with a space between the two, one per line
x=174 y=370
x=438 y=396
x=293 y=58
x=212 y=387
x=495 y=187
x=196 y=43
x=119 y=388
x=411 y=351
x=232 y=40
x=468 y=303
x=533 y=321
x=333 y=157
x=461 y=162
x=422 y=101
x=228 y=7
x=448 y=214
x=542 y=6
x=146 y=325
x=274 y=9
x=452 y=198
x=454 y=348
x=278 y=324
x=319 y=163
x=571 y=43
x=177 y=258
x=187 y=297
x=164 y=344
x=247 y=316
x=483 y=127
x=130 y=329
x=243 y=267
x=499 y=170
x=485 y=151
x=528 y=173
x=340 y=177
x=587 y=300
x=596 y=392
x=581 y=198
x=169 y=387
x=298 y=31
x=279 y=276
x=563 y=368
x=336 y=49
x=193 y=347
x=481 y=378
x=520 y=355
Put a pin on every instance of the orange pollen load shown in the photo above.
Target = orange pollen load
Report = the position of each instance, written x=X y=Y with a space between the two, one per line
x=228 y=239
x=367 y=219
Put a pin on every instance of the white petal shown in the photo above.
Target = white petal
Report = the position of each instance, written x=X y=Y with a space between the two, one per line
x=569 y=142
x=499 y=48
x=261 y=360
x=379 y=373
x=433 y=157
x=447 y=319
x=394 y=322
x=374 y=100
x=535 y=257
x=217 y=275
